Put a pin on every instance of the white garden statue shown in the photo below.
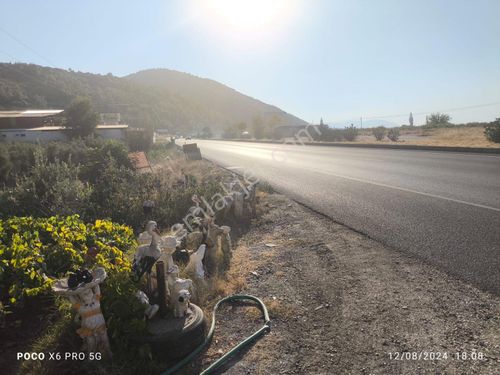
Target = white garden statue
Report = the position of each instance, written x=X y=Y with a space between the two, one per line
x=172 y=276
x=146 y=255
x=226 y=246
x=83 y=291
x=151 y=310
x=168 y=246
x=195 y=265
x=179 y=297
x=181 y=306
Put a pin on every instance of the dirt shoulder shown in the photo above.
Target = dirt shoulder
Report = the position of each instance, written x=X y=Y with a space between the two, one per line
x=341 y=302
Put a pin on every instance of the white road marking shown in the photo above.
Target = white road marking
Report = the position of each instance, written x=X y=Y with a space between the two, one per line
x=404 y=189
x=413 y=191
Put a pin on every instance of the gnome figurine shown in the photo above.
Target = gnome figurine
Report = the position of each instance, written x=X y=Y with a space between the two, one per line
x=83 y=291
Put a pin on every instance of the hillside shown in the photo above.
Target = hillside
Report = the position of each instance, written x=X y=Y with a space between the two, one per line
x=158 y=98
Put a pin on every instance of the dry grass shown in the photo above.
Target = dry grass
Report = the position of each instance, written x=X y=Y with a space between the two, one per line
x=277 y=310
x=461 y=137
x=452 y=137
x=209 y=291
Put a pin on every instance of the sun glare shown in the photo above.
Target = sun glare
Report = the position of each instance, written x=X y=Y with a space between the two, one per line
x=248 y=15
x=246 y=19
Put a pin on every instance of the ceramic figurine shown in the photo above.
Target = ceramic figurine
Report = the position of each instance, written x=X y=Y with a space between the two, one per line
x=194 y=240
x=226 y=245
x=238 y=203
x=213 y=233
x=180 y=284
x=168 y=246
x=172 y=276
x=146 y=255
x=195 y=265
x=151 y=310
x=83 y=291
x=181 y=305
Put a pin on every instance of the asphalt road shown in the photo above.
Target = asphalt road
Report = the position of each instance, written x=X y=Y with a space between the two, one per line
x=443 y=207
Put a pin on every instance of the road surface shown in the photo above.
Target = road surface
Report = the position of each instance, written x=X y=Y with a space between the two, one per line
x=443 y=207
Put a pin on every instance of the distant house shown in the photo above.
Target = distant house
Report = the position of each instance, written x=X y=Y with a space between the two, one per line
x=30 y=118
x=46 y=126
x=110 y=118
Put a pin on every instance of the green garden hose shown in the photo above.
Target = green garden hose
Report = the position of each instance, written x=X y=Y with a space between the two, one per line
x=264 y=329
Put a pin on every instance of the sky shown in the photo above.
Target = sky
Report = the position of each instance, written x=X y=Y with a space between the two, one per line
x=336 y=60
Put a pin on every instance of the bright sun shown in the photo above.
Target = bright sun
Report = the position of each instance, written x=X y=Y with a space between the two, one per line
x=247 y=14
x=246 y=19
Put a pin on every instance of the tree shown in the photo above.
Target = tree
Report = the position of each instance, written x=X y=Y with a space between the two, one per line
x=393 y=134
x=81 y=117
x=206 y=132
x=438 y=119
x=258 y=127
x=492 y=131
x=242 y=126
x=411 y=119
x=350 y=133
x=229 y=132
x=379 y=133
x=322 y=132
x=140 y=139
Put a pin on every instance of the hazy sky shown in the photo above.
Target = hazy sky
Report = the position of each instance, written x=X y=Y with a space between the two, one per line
x=333 y=59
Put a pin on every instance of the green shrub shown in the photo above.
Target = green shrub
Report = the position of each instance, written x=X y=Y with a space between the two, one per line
x=124 y=315
x=94 y=178
x=118 y=194
x=139 y=139
x=350 y=133
x=438 y=120
x=88 y=154
x=34 y=252
x=492 y=131
x=379 y=133
x=5 y=164
x=21 y=158
x=161 y=151
x=50 y=189
x=393 y=134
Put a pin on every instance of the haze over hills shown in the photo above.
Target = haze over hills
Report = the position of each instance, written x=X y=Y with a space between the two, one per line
x=159 y=98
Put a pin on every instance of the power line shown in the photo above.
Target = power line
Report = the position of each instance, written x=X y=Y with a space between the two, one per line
x=443 y=110
x=417 y=113
x=26 y=46
x=8 y=54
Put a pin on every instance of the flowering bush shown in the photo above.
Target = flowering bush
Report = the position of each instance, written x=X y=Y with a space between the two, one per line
x=36 y=251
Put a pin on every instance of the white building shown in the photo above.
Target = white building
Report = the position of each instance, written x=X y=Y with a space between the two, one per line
x=44 y=126
x=59 y=133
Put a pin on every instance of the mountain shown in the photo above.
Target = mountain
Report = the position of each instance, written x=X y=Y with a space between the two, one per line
x=217 y=102
x=159 y=98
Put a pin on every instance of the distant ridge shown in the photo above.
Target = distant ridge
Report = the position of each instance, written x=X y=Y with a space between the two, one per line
x=159 y=98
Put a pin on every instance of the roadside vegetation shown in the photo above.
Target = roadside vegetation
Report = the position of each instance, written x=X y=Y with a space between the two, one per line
x=80 y=203
x=437 y=131
x=492 y=131
x=94 y=179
